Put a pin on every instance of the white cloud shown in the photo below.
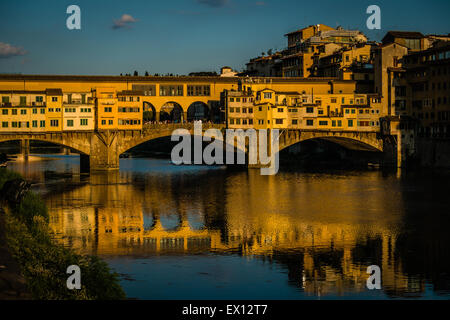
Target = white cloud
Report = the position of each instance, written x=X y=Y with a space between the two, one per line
x=8 y=51
x=125 y=21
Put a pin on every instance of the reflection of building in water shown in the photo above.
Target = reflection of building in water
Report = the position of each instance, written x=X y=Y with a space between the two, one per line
x=107 y=217
x=332 y=241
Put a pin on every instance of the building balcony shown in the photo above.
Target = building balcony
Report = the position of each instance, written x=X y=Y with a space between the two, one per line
x=79 y=101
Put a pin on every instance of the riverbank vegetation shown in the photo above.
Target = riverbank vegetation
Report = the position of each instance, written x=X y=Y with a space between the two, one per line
x=43 y=262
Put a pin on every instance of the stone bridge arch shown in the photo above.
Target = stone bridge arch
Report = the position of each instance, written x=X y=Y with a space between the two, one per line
x=78 y=141
x=364 y=141
x=131 y=139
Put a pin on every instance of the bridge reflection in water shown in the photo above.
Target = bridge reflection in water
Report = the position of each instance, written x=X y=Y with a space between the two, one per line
x=325 y=229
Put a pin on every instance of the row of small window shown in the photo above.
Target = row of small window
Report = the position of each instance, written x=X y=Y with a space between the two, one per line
x=172 y=90
x=22 y=111
x=334 y=100
x=243 y=99
x=438 y=86
x=128 y=109
x=338 y=123
x=124 y=122
x=42 y=110
x=427 y=102
x=334 y=123
x=361 y=111
x=129 y=99
x=83 y=122
x=421 y=86
x=23 y=99
x=24 y=124
x=34 y=123
x=199 y=90
x=280 y=109
x=278 y=121
x=71 y=110
x=441 y=115
x=238 y=121
x=430 y=57
x=238 y=110
x=346 y=110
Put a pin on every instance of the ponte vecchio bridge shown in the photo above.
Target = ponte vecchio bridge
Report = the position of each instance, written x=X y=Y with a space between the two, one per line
x=100 y=150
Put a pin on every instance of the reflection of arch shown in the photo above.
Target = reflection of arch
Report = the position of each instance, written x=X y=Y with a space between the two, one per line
x=172 y=112
x=198 y=111
x=149 y=112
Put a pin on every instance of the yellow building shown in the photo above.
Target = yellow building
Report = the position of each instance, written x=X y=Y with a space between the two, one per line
x=293 y=110
x=76 y=103
x=106 y=105
x=277 y=110
x=239 y=109
x=54 y=113
x=129 y=110
x=307 y=44
x=78 y=111
x=23 y=111
x=339 y=63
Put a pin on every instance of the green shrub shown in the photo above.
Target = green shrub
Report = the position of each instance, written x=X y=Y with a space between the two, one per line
x=30 y=207
x=6 y=175
x=44 y=263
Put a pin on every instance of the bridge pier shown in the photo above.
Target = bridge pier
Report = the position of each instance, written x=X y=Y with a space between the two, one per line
x=392 y=152
x=85 y=166
x=104 y=155
x=25 y=148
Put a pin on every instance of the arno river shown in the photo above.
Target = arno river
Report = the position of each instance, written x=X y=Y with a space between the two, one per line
x=179 y=232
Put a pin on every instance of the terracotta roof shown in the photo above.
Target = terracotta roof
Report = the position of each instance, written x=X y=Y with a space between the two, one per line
x=54 y=92
x=21 y=92
x=288 y=92
x=405 y=34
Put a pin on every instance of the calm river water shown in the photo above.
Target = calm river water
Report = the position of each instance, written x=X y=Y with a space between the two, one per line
x=179 y=232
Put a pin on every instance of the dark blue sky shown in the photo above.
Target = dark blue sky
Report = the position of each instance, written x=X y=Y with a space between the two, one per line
x=182 y=36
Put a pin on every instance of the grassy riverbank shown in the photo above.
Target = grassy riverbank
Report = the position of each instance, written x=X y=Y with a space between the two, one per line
x=44 y=263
